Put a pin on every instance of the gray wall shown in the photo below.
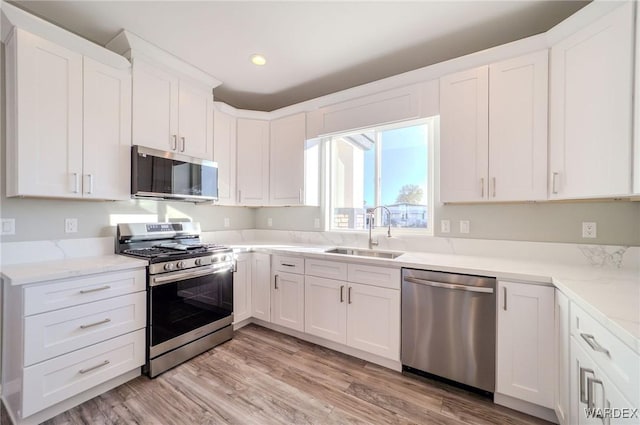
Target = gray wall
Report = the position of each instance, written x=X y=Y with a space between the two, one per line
x=618 y=223
x=38 y=219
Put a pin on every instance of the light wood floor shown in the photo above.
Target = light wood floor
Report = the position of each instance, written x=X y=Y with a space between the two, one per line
x=264 y=377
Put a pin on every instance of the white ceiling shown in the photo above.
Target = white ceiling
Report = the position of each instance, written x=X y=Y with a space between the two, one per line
x=312 y=48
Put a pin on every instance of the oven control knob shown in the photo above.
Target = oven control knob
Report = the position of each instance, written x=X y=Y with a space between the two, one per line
x=198 y=261
x=168 y=267
x=181 y=264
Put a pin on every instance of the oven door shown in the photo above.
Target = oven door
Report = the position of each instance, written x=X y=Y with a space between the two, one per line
x=187 y=305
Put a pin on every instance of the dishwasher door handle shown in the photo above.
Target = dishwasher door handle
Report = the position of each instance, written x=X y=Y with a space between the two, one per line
x=448 y=285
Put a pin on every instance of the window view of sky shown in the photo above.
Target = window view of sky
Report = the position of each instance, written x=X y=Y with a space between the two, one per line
x=403 y=162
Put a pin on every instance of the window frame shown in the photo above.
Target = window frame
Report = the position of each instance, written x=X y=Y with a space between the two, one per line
x=431 y=124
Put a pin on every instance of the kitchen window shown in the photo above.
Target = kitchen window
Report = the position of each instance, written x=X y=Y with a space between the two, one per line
x=390 y=166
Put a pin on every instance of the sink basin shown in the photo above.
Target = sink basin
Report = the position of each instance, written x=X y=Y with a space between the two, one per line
x=364 y=253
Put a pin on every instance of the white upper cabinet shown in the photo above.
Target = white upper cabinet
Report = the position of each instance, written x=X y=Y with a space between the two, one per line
x=171 y=113
x=224 y=153
x=287 y=160
x=493 y=131
x=518 y=128
x=464 y=135
x=107 y=131
x=253 y=162
x=155 y=107
x=68 y=127
x=590 y=109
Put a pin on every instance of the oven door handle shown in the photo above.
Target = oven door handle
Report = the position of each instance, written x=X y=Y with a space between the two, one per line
x=188 y=274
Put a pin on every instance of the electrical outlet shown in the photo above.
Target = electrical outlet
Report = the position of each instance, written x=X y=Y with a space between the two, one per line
x=445 y=226
x=464 y=226
x=227 y=222
x=269 y=222
x=589 y=229
x=70 y=225
x=8 y=226
x=316 y=223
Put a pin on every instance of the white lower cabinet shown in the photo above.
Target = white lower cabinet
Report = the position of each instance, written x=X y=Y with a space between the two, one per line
x=287 y=300
x=525 y=343
x=242 y=288
x=60 y=378
x=362 y=316
x=77 y=334
x=260 y=287
x=562 y=333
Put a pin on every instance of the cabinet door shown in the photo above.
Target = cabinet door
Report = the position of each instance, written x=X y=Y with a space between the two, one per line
x=253 y=162
x=287 y=160
x=195 y=121
x=224 y=153
x=44 y=146
x=260 y=288
x=287 y=300
x=518 y=128
x=107 y=131
x=373 y=320
x=590 y=109
x=525 y=351
x=242 y=288
x=325 y=308
x=562 y=358
x=155 y=107
x=464 y=135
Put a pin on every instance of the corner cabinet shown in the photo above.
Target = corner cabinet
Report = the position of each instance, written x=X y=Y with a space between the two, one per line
x=170 y=112
x=493 y=129
x=224 y=154
x=525 y=343
x=287 y=160
x=69 y=122
x=591 y=109
x=253 y=162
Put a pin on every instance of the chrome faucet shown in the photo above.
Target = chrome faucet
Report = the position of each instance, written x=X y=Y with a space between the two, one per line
x=371 y=215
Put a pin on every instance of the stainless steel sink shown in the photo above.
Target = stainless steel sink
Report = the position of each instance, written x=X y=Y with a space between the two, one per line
x=364 y=253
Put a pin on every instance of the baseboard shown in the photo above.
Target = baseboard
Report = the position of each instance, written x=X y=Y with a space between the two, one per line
x=242 y=324
x=371 y=358
x=69 y=403
x=526 y=407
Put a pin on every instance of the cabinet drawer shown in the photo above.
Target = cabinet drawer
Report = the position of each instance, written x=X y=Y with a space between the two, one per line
x=621 y=364
x=376 y=276
x=69 y=292
x=58 y=332
x=58 y=379
x=326 y=269
x=288 y=264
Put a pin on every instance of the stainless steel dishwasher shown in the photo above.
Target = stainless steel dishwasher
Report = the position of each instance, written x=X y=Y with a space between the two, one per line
x=449 y=326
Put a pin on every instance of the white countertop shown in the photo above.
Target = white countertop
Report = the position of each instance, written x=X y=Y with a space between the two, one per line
x=20 y=274
x=611 y=296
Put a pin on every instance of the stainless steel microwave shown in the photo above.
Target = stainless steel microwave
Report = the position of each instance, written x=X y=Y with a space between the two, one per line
x=167 y=175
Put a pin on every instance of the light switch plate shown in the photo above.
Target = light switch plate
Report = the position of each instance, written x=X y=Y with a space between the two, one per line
x=269 y=222
x=316 y=223
x=464 y=226
x=8 y=226
x=227 y=222
x=445 y=226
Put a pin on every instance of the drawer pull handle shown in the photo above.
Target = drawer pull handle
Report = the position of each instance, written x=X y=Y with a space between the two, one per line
x=591 y=340
x=583 y=392
x=89 y=369
x=287 y=265
x=101 y=288
x=90 y=325
x=590 y=390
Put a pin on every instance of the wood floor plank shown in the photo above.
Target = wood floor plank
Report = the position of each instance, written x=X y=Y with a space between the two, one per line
x=262 y=377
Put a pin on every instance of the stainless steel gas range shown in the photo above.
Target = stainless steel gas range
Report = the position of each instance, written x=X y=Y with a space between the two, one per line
x=189 y=290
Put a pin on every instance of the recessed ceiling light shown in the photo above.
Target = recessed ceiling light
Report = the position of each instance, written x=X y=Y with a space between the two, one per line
x=258 y=59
